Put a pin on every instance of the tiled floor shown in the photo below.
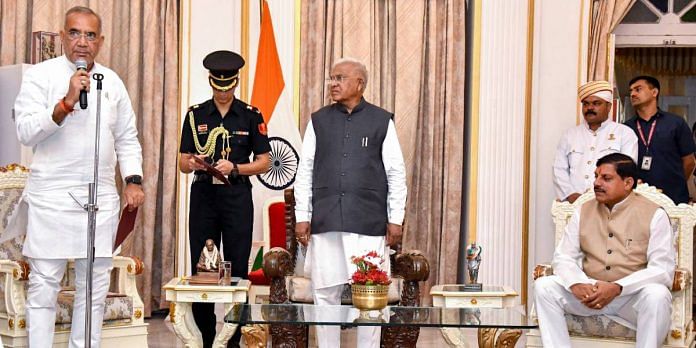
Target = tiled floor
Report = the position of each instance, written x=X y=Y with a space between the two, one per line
x=161 y=335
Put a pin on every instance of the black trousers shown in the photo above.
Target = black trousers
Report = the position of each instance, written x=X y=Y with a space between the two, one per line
x=226 y=213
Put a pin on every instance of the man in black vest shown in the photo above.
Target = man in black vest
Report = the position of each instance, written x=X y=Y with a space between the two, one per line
x=350 y=191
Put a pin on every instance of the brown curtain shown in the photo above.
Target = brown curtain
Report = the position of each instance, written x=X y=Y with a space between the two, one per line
x=141 y=45
x=414 y=52
x=606 y=15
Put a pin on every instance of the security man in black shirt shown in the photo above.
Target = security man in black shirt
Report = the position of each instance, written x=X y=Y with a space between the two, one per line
x=223 y=131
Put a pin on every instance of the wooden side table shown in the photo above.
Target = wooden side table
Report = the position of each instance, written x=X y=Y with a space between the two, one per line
x=181 y=295
x=454 y=296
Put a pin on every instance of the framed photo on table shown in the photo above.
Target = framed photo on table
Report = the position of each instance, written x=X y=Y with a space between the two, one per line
x=45 y=45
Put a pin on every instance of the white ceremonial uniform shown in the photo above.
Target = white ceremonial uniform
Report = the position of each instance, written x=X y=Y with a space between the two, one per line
x=63 y=162
x=328 y=261
x=580 y=148
x=645 y=301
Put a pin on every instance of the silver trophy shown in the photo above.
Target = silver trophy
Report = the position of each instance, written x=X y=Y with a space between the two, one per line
x=473 y=260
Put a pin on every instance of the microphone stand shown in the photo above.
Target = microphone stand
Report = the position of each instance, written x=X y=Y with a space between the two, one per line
x=91 y=208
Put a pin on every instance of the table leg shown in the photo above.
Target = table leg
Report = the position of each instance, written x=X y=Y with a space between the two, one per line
x=185 y=327
x=454 y=337
x=506 y=339
x=227 y=331
x=255 y=336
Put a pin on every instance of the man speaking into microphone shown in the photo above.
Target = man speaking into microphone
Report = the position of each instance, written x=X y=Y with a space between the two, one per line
x=62 y=136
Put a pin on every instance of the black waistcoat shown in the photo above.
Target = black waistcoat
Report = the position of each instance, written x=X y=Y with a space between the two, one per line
x=349 y=183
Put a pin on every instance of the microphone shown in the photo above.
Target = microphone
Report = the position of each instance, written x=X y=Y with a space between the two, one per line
x=81 y=64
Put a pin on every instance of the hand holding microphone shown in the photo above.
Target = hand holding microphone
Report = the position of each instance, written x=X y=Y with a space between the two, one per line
x=79 y=85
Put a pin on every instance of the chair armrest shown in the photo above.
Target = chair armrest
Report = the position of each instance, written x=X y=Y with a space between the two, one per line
x=682 y=279
x=411 y=266
x=128 y=267
x=17 y=273
x=277 y=264
x=542 y=270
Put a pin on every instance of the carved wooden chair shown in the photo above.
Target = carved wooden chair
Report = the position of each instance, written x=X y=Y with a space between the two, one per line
x=408 y=268
x=124 y=324
x=600 y=330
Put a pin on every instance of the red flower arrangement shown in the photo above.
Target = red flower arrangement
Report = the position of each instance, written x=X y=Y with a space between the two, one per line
x=368 y=270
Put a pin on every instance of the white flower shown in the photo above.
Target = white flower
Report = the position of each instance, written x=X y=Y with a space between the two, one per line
x=375 y=261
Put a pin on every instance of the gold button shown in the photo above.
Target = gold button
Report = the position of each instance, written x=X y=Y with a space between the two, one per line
x=587 y=176
x=589 y=162
x=592 y=148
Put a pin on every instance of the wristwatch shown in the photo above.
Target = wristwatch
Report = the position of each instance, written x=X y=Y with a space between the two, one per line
x=235 y=171
x=134 y=179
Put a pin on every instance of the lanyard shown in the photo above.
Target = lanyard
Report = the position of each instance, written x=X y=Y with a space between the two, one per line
x=642 y=137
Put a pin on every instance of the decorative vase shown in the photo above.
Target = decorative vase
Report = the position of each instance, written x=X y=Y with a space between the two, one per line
x=369 y=297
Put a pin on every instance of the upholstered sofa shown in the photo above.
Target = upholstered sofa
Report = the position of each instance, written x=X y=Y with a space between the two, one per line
x=124 y=324
x=408 y=269
x=596 y=331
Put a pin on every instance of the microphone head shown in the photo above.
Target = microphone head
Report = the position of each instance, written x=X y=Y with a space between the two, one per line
x=80 y=63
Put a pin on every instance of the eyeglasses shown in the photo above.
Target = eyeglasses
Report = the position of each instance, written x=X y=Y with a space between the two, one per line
x=339 y=79
x=76 y=35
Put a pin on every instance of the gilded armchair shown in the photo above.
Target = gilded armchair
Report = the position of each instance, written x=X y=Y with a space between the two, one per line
x=600 y=330
x=124 y=324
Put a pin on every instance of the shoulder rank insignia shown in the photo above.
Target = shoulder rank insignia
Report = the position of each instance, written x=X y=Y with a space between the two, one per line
x=254 y=109
x=192 y=107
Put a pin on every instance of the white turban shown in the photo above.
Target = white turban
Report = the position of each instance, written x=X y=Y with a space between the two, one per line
x=599 y=89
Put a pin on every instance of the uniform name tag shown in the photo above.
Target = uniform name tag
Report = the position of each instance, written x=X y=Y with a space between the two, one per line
x=647 y=162
x=202 y=129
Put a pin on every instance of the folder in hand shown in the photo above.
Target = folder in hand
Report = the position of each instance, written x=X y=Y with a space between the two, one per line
x=214 y=172
x=125 y=225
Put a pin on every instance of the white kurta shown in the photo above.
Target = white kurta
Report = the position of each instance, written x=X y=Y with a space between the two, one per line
x=328 y=255
x=580 y=148
x=64 y=159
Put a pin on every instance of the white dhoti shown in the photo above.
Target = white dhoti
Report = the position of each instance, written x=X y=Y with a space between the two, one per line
x=647 y=311
x=329 y=266
x=43 y=288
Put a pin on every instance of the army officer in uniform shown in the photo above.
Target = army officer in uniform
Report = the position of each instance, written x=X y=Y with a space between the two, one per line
x=224 y=131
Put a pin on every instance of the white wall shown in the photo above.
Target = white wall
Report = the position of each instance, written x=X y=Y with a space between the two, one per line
x=11 y=151
x=558 y=54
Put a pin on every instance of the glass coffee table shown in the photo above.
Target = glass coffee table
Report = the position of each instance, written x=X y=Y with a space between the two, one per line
x=289 y=322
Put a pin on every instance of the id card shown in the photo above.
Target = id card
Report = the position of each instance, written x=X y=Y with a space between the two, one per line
x=647 y=162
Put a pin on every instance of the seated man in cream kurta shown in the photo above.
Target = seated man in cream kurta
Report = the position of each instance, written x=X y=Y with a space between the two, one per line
x=616 y=258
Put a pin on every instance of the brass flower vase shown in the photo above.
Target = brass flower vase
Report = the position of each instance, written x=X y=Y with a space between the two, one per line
x=369 y=297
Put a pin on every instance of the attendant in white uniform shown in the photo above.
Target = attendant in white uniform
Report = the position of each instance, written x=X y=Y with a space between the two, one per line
x=581 y=146
x=350 y=191
x=51 y=121
x=616 y=258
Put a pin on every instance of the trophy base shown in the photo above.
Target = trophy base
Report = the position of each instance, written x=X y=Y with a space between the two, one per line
x=474 y=287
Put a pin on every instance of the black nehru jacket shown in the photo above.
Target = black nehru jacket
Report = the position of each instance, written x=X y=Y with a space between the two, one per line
x=349 y=183
x=244 y=122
